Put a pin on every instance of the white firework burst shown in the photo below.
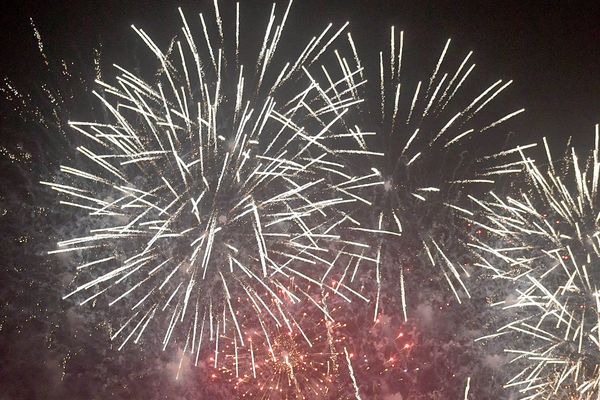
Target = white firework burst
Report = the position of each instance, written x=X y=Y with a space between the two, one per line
x=213 y=183
x=544 y=239
x=430 y=124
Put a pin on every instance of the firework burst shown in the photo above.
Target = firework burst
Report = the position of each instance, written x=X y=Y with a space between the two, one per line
x=212 y=184
x=428 y=133
x=544 y=240
x=300 y=361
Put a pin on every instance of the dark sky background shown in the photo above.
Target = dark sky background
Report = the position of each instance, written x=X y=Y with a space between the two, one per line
x=550 y=49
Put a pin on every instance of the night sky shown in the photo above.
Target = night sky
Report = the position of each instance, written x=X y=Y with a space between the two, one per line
x=550 y=49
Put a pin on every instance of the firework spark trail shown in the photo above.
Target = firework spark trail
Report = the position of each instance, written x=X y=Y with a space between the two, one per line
x=351 y=372
x=543 y=238
x=467 y=388
x=213 y=187
x=420 y=126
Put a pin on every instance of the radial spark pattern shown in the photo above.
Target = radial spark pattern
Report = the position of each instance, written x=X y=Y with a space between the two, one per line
x=429 y=135
x=212 y=184
x=544 y=239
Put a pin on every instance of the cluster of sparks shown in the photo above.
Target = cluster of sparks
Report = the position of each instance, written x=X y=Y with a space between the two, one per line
x=302 y=363
x=545 y=239
x=219 y=195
